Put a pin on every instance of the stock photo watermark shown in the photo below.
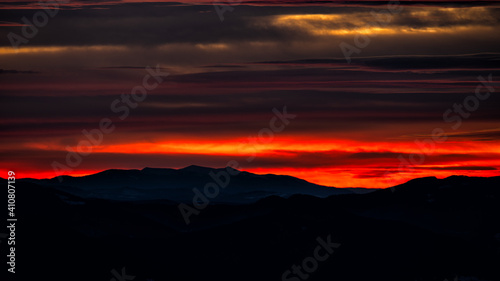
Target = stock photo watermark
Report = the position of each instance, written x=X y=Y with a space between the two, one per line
x=121 y=106
x=454 y=115
x=222 y=7
x=361 y=40
x=310 y=264
x=39 y=20
x=123 y=276
x=221 y=180
x=11 y=221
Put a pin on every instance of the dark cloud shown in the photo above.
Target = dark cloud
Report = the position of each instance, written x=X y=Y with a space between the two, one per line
x=143 y=24
x=367 y=3
x=13 y=71
x=484 y=135
x=240 y=101
x=451 y=62
x=128 y=67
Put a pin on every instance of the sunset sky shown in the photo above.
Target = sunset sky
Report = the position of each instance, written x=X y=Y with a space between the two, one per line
x=354 y=122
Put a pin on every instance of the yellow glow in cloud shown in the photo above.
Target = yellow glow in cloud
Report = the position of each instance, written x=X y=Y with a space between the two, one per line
x=436 y=20
x=214 y=46
x=57 y=49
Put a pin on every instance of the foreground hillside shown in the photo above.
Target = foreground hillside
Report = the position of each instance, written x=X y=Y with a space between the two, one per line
x=426 y=229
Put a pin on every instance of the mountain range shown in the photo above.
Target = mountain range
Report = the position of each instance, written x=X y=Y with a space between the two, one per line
x=427 y=229
x=177 y=185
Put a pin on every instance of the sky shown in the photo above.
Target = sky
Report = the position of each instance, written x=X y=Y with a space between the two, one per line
x=339 y=93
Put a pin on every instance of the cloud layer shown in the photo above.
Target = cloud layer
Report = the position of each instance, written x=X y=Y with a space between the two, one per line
x=355 y=121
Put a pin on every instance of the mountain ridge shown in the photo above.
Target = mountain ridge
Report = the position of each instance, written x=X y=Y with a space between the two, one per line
x=434 y=229
x=179 y=184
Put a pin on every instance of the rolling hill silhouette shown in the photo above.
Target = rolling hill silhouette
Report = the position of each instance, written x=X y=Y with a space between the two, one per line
x=177 y=184
x=425 y=229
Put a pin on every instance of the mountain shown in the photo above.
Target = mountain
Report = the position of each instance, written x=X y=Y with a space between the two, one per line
x=427 y=229
x=232 y=186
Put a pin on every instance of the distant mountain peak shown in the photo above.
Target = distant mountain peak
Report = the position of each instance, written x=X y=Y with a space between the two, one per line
x=228 y=168
x=197 y=169
x=178 y=185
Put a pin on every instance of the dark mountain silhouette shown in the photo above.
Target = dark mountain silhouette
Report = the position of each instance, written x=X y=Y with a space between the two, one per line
x=177 y=185
x=425 y=229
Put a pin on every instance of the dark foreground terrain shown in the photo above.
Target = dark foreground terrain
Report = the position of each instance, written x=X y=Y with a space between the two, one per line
x=426 y=229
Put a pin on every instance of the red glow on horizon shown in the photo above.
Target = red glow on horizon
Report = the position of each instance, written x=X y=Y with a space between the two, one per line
x=330 y=162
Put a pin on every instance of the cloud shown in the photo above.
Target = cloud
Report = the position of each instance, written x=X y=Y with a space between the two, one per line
x=143 y=24
x=27 y=4
x=460 y=168
x=8 y=23
x=481 y=135
x=429 y=63
x=13 y=71
x=353 y=120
